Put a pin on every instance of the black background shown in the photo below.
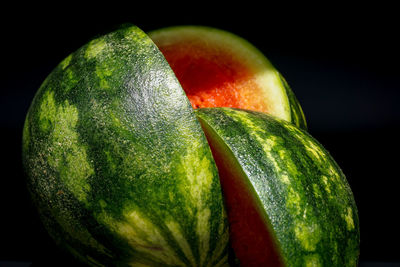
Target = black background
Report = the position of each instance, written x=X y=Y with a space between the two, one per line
x=341 y=62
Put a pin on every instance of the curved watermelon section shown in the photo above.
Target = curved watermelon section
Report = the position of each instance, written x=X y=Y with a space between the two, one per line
x=297 y=114
x=288 y=202
x=219 y=69
x=117 y=163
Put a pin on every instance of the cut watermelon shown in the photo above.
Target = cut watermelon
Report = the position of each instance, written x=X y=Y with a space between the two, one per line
x=122 y=174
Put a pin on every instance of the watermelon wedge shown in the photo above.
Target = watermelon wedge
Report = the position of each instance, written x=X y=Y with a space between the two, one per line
x=288 y=202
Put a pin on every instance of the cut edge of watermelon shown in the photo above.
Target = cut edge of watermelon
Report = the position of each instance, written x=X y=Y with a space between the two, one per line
x=251 y=237
x=265 y=76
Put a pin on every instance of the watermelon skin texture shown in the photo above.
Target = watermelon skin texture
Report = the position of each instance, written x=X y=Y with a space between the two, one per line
x=305 y=196
x=117 y=163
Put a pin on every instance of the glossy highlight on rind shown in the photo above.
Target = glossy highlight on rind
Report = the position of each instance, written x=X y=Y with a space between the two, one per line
x=300 y=189
x=117 y=163
x=219 y=69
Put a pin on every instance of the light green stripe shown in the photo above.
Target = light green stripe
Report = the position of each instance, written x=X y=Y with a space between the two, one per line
x=176 y=232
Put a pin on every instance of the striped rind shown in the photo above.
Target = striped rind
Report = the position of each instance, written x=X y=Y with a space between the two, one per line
x=302 y=191
x=278 y=96
x=296 y=112
x=117 y=163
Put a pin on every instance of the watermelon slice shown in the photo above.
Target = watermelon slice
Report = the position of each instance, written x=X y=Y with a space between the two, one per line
x=288 y=202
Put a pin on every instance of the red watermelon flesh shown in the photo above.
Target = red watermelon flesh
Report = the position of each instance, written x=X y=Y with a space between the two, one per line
x=219 y=69
x=212 y=76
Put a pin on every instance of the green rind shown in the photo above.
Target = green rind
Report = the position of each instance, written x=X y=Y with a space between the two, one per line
x=296 y=111
x=291 y=112
x=300 y=187
x=117 y=163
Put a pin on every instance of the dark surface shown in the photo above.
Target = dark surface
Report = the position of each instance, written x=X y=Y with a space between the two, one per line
x=362 y=264
x=342 y=63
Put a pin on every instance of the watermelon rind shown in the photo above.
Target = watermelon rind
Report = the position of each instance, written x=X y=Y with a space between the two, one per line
x=300 y=190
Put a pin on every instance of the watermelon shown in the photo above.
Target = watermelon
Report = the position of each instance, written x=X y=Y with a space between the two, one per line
x=119 y=166
x=219 y=69
x=117 y=162
x=287 y=200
